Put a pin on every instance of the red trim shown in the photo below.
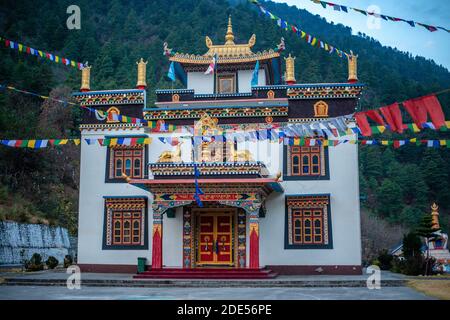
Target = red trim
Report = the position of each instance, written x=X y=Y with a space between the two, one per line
x=204 y=181
x=157 y=250
x=254 y=250
x=312 y=270
x=196 y=102
x=109 y=268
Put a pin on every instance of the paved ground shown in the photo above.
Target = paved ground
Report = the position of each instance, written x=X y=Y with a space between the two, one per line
x=60 y=274
x=124 y=293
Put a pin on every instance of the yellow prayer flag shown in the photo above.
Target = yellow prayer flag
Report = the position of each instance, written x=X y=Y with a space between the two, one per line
x=326 y=143
x=56 y=59
x=20 y=47
x=447 y=123
x=63 y=141
x=76 y=141
x=147 y=140
x=381 y=128
x=415 y=128
x=31 y=143
x=385 y=143
x=443 y=143
x=414 y=140
x=73 y=63
x=313 y=42
x=113 y=142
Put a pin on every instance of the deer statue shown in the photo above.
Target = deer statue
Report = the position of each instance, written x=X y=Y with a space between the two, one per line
x=171 y=156
x=241 y=155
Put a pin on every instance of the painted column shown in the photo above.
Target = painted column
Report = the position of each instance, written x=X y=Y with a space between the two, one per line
x=157 y=237
x=254 y=237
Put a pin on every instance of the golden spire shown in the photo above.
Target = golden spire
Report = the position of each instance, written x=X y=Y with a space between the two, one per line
x=85 y=78
x=290 y=70
x=435 y=215
x=352 y=67
x=229 y=38
x=141 y=80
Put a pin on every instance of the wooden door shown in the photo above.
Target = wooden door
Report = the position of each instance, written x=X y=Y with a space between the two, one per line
x=215 y=239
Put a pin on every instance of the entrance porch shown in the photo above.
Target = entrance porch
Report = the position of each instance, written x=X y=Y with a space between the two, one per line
x=218 y=236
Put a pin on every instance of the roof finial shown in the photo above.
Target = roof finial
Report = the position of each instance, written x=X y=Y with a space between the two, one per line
x=229 y=38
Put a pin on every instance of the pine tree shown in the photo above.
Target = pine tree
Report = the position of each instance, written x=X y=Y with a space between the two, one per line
x=428 y=232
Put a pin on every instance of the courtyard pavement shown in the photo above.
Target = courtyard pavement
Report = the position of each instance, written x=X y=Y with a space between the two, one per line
x=127 y=293
x=51 y=285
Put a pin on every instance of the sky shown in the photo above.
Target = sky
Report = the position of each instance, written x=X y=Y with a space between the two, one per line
x=417 y=40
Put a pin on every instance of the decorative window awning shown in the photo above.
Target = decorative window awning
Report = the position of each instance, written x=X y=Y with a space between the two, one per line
x=214 y=189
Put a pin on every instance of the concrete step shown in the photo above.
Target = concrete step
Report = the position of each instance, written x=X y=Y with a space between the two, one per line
x=200 y=283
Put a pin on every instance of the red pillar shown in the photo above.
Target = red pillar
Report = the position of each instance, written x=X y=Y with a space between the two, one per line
x=254 y=247
x=157 y=242
x=254 y=239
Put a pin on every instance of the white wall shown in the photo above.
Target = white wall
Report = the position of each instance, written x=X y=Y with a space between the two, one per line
x=343 y=188
x=91 y=205
x=204 y=84
x=173 y=239
x=245 y=79
x=200 y=82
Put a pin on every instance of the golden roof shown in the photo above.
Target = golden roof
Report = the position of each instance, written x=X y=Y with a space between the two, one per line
x=229 y=52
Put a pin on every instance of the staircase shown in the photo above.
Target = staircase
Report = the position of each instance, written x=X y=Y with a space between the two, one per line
x=207 y=273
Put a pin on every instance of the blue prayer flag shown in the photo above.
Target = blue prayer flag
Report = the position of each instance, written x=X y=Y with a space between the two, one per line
x=171 y=73
x=255 y=74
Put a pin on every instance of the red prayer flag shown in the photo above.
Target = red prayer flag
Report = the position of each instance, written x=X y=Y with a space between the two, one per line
x=363 y=124
x=434 y=109
x=417 y=112
x=393 y=117
x=375 y=116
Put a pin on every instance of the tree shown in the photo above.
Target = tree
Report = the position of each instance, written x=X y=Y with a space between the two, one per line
x=389 y=197
x=428 y=232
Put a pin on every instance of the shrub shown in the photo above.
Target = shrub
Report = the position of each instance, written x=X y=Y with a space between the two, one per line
x=35 y=263
x=52 y=262
x=68 y=261
x=385 y=260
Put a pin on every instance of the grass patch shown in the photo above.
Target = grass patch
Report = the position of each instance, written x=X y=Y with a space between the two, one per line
x=437 y=288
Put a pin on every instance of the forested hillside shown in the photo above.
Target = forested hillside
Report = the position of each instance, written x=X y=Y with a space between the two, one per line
x=398 y=185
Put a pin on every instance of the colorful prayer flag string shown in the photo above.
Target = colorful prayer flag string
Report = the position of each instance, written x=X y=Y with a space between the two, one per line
x=39 y=53
x=338 y=7
x=313 y=41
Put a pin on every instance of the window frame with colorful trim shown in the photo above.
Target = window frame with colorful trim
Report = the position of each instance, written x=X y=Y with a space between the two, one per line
x=115 y=208
x=301 y=208
x=323 y=172
x=111 y=161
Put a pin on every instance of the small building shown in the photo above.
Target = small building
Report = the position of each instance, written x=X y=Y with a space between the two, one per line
x=290 y=209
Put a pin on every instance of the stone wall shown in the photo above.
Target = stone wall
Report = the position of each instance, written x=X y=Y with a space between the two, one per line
x=19 y=241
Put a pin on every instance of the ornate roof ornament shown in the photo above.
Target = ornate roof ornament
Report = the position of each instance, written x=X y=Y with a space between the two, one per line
x=229 y=52
x=435 y=216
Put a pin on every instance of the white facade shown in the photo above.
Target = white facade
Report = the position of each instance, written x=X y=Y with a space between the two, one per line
x=204 y=83
x=342 y=186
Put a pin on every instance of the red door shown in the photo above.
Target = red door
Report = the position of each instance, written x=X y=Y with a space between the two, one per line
x=215 y=239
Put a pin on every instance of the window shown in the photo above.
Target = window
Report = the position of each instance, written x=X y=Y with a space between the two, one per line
x=226 y=83
x=125 y=223
x=306 y=163
x=127 y=160
x=308 y=222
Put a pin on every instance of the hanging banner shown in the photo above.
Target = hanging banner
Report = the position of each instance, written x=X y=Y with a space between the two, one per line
x=313 y=41
x=410 y=22
x=39 y=53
